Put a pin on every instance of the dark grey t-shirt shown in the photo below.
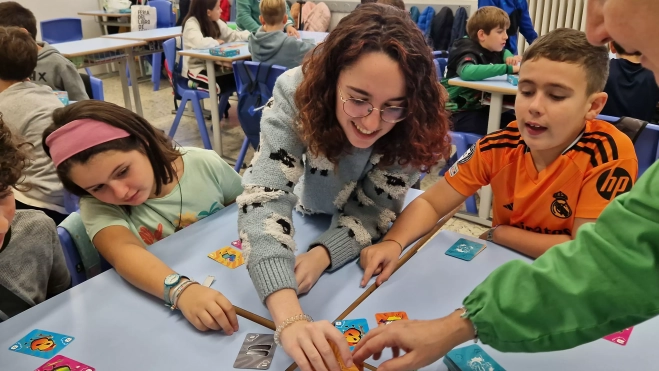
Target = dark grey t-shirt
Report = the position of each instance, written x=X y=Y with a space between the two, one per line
x=32 y=265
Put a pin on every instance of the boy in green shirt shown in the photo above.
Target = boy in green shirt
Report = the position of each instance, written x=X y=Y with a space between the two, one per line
x=477 y=57
x=247 y=17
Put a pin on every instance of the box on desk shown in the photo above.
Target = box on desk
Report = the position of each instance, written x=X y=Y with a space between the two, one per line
x=224 y=52
x=513 y=79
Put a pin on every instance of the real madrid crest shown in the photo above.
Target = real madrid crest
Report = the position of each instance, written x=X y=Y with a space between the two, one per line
x=560 y=207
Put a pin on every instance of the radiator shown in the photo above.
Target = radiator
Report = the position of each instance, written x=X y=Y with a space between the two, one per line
x=548 y=15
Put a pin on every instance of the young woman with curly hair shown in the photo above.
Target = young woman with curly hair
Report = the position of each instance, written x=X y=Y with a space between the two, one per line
x=346 y=135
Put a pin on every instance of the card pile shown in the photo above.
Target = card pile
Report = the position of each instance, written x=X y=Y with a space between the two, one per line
x=470 y=358
x=257 y=352
x=353 y=330
x=354 y=367
x=465 y=249
x=389 y=317
x=620 y=338
x=229 y=257
x=61 y=363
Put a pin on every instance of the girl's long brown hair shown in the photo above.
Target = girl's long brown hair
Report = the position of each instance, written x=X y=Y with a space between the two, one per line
x=198 y=10
x=417 y=141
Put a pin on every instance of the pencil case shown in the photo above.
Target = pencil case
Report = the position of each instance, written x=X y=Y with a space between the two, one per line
x=513 y=79
x=224 y=52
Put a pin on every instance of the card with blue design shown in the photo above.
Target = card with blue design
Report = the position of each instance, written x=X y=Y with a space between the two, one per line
x=43 y=344
x=470 y=358
x=353 y=330
x=465 y=249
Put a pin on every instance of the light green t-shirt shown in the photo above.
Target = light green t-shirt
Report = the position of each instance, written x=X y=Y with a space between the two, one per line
x=207 y=185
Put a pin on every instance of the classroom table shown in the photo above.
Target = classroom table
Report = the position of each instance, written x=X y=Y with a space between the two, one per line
x=497 y=87
x=432 y=285
x=101 y=18
x=101 y=50
x=158 y=34
x=117 y=325
x=210 y=68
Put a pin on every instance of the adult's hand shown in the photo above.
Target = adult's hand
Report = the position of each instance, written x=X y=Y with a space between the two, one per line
x=308 y=344
x=381 y=259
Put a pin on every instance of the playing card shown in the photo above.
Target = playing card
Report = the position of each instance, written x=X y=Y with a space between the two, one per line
x=388 y=317
x=354 y=367
x=469 y=358
x=228 y=256
x=465 y=249
x=353 y=330
x=61 y=363
x=621 y=337
x=256 y=352
x=237 y=244
x=40 y=343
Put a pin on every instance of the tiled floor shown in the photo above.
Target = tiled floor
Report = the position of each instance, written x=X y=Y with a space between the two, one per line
x=158 y=106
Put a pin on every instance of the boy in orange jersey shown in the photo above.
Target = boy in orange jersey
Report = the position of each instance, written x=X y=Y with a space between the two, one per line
x=551 y=171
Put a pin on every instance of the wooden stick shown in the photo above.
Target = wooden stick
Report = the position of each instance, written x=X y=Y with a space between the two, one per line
x=255 y=318
x=369 y=367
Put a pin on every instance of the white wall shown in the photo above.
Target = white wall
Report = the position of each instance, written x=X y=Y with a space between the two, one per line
x=49 y=9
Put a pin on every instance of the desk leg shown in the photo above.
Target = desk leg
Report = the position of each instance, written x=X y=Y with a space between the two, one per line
x=215 y=109
x=121 y=66
x=133 y=81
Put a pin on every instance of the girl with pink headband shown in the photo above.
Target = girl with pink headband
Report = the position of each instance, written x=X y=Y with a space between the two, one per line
x=137 y=187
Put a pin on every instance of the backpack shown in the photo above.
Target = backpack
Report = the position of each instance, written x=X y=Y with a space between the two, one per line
x=414 y=13
x=440 y=30
x=254 y=95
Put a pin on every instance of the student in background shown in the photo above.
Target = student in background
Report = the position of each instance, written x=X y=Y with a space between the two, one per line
x=136 y=188
x=270 y=44
x=203 y=29
x=32 y=266
x=632 y=89
x=344 y=135
x=397 y=3
x=477 y=57
x=549 y=171
x=26 y=109
x=247 y=17
x=520 y=20
x=52 y=68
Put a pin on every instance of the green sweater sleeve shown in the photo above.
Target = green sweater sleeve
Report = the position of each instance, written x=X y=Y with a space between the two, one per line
x=476 y=72
x=602 y=282
x=244 y=19
x=507 y=54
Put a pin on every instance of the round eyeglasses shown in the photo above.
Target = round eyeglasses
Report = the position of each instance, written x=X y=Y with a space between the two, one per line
x=358 y=108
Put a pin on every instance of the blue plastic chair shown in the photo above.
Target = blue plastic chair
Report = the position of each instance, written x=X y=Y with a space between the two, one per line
x=61 y=30
x=71 y=202
x=443 y=62
x=71 y=257
x=275 y=72
x=462 y=142
x=187 y=94
x=165 y=18
x=97 y=88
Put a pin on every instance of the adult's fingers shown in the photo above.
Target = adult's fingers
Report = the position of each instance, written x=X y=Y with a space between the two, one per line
x=387 y=271
x=375 y=342
x=405 y=362
x=371 y=266
x=335 y=336
x=312 y=354
x=300 y=358
x=229 y=311
x=323 y=347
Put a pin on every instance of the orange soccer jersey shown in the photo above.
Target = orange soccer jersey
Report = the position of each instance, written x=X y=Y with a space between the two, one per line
x=600 y=165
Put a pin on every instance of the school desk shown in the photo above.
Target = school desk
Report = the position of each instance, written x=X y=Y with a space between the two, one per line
x=101 y=50
x=497 y=87
x=432 y=285
x=158 y=34
x=113 y=321
x=101 y=17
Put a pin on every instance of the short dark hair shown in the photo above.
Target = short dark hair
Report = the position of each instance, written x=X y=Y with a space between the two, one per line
x=153 y=143
x=487 y=19
x=620 y=50
x=572 y=46
x=18 y=54
x=13 y=158
x=13 y=14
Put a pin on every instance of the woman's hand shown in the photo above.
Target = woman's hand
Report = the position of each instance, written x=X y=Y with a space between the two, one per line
x=291 y=31
x=309 y=267
x=207 y=309
x=308 y=344
x=379 y=259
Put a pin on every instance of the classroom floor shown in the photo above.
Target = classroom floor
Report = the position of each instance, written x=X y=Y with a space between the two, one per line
x=158 y=105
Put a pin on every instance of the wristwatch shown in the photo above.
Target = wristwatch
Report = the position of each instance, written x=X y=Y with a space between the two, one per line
x=490 y=233
x=171 y=281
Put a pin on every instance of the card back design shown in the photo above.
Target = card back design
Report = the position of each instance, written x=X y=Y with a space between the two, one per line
x=40 y=343
x=257 y=352
x=465 y=249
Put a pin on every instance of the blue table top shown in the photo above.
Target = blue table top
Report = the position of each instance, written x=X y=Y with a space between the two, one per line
x=431 y=285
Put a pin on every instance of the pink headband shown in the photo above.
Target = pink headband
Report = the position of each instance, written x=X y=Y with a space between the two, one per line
x=79 y=135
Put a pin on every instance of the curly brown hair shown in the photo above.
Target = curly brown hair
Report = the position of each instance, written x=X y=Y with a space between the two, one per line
x=13 y=158
x=417 y=141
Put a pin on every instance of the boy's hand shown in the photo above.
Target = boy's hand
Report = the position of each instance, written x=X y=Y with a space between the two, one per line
x=512 y=61
x=516 y=68
x=379 y=259
x=309 y=267
x=207 y=309
x=291 y=31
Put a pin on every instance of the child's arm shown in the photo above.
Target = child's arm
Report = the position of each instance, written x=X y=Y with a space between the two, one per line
x=290 y=21
x=244 y=18
x=526 y=24
x=194 y=39
x=530 y=243
x=469 y=71
x=229 y=35
x=72 y=82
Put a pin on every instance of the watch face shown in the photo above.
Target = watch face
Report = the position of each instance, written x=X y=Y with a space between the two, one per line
x=171 y=279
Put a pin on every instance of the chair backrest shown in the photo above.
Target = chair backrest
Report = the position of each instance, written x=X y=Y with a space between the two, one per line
x=97 y=88
x=71 y=257
x=443 y=62
x=175 y=65
x=60 y=30
x=71 y=202
x=163 y=13
x=255 y=83
x=644 y=136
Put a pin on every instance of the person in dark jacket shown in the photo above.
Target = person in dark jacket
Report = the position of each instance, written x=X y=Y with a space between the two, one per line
x=520 y=20
x=632 y=89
